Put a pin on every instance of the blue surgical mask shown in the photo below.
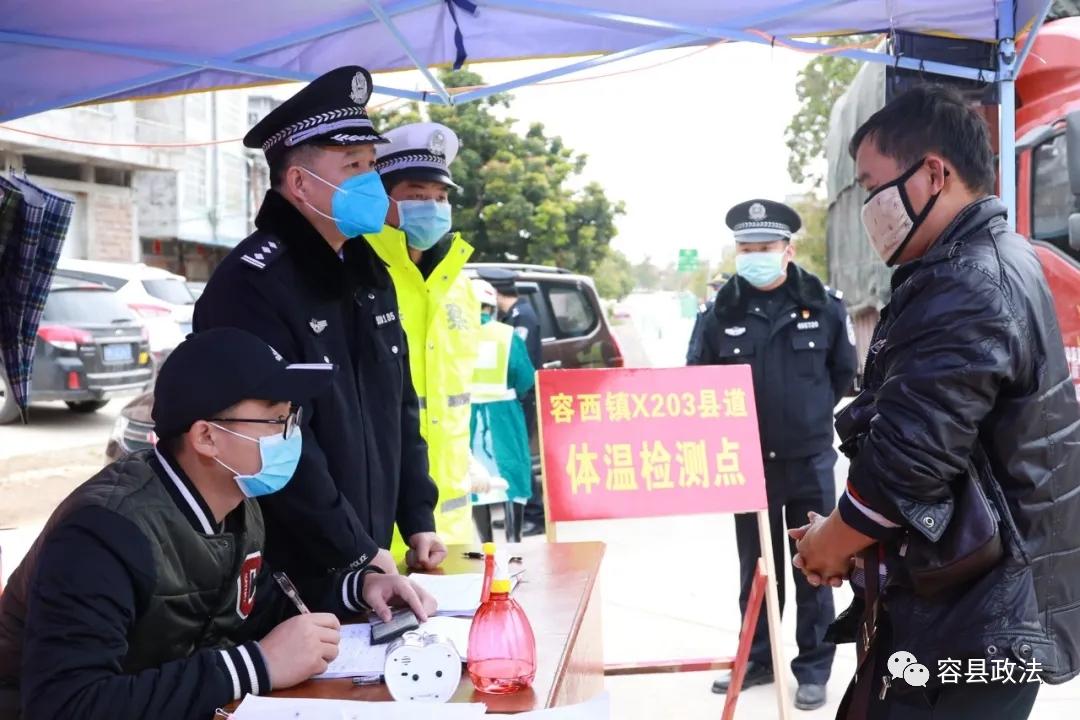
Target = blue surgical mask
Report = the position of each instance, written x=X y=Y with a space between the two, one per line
x=359 y=205
x=424 y=222
x=760 y=269
x=279 y=455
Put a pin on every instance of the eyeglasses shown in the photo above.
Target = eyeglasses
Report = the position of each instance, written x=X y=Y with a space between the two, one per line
x=290 y=421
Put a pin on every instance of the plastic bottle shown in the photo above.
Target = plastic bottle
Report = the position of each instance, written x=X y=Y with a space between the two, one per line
x=502 y=647
x=489 y=570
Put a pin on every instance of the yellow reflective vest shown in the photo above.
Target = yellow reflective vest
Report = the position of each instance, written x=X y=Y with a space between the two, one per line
x=441 y=317
x=493 y=364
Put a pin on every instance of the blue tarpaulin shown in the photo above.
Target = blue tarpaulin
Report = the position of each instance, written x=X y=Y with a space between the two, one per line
x=69 y=52
x=66 y=52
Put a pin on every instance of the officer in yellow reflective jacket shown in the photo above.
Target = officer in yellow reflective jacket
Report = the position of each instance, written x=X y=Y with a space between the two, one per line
x=437 y=307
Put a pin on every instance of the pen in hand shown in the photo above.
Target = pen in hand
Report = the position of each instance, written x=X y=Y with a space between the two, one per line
x=289 y=589
x=472 y=555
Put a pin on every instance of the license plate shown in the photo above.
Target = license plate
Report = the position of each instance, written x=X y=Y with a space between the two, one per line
x=117 y=353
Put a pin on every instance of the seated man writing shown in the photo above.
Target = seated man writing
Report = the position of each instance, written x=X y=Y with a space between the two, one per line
x=145 y=595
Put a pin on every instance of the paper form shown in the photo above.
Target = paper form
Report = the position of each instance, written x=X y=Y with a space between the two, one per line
x=356 y=655
x=270 y=708
x=454 y=629
x=457 y=595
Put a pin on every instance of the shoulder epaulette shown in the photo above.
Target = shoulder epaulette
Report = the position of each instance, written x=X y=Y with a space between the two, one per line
x=262 y=254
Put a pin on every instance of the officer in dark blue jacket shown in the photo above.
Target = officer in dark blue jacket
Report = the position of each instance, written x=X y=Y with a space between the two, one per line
x=695 y=334
x=795 y=334
x=516 y=311
x=308 y=284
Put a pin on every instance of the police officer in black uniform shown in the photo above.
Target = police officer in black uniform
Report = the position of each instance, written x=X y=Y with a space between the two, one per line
x=311 y=287
x=518 y=313
x=695 y=334
x=795 y=334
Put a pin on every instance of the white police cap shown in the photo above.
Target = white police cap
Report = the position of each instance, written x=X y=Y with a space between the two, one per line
x=420 y=151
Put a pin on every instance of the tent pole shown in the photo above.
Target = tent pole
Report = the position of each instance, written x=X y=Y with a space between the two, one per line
x=621 y=20
x=739 y=29
x=1007 y=108
x=105 y=92
x=407 y=48
x=662 y=44
x=1035 y=28
x=168 y=57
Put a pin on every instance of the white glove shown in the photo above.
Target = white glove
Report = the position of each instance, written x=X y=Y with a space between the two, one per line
x=481 y=481
x=479 y=477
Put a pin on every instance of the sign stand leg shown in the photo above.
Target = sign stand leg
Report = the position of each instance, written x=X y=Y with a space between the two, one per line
x=549 y=522
x=746 y=639
x=772 y=606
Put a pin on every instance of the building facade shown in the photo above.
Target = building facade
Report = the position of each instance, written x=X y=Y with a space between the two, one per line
x=166 y=182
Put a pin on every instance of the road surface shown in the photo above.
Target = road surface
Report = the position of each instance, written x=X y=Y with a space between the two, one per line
x=670 y=585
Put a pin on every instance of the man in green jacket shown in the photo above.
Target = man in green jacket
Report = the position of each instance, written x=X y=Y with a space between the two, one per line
x=146 y=595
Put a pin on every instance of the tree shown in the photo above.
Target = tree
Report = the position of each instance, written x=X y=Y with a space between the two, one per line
x=727 y=261
x=810 y=241
x=820 y=85
x=696 y=282
x=614 y=276
x=515 y=203
x=646 y=275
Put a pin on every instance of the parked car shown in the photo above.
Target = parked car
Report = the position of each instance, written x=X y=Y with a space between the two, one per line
x=196 y=288
x=160 y=298
x=133 y=430
x=573 y=329
x=573 y=325
x=90 y=347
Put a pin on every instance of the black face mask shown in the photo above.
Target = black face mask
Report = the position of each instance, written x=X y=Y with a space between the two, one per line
x=889 y=218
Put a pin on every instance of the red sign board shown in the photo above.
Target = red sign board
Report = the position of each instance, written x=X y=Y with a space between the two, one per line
x=650 y=442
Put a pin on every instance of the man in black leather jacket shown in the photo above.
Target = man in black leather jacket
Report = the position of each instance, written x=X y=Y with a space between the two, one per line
x=967 y=359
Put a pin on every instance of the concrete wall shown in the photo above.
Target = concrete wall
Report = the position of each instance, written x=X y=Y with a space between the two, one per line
x=206 y=200
x=157 y=199
x=114 y=226
x=105 y=226
x=185 y=207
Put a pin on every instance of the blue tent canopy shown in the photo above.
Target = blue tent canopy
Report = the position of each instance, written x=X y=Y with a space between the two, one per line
x=69 y=52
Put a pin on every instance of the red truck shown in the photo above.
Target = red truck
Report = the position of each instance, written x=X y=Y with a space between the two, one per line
x=1048 y=179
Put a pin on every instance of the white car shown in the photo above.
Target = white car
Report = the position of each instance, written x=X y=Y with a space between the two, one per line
x=161 y=299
